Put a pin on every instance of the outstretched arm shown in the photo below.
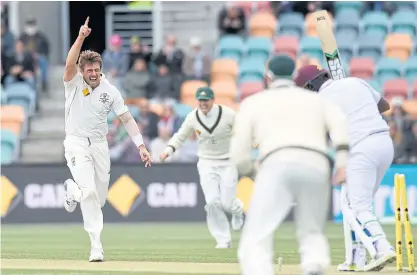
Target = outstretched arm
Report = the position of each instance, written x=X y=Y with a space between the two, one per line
x=134 y=133
x=178 y=139
x=74 y=52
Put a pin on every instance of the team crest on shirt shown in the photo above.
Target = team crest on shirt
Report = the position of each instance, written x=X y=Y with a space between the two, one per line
x=197 y=132
x=104 y=98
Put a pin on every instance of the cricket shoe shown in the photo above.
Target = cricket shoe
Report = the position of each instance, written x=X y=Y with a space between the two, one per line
x=237 y=221
x=359 y=262
x=70 y=188
x=345 y=267
x=224 y=245
x=381 y=261
x=96 y=255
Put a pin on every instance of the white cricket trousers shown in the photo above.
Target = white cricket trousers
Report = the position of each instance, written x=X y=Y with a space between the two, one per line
x=368 y=162
x=218 y=180
x=89 y=163
x=277 y=187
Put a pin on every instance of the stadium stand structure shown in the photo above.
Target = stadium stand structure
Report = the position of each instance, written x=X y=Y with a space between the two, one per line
x=374 y=45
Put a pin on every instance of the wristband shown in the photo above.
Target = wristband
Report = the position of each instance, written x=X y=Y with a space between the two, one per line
x=138 y=140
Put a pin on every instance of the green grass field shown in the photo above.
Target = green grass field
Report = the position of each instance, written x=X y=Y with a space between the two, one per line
x=152 y=249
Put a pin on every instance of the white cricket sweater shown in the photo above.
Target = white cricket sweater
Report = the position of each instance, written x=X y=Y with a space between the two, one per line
x=213 y=131
x=290 y=118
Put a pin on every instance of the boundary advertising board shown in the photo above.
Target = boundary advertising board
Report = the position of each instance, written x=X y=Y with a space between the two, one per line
x=163 y=193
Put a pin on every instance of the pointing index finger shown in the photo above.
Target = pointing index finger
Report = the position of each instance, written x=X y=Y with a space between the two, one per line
x=86 y=21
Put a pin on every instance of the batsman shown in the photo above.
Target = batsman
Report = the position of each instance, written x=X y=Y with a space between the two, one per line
x=290 y=126
x=370 y=157
x=213 y=125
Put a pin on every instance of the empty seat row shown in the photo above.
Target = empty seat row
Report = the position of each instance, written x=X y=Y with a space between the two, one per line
x=385 y=68
x=233 y=46
x=21 y=94
x=9 y=146
x=350 y=21
x=399 y=87
x=13 y=118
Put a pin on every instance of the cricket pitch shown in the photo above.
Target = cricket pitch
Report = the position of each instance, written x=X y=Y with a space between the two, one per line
x=157 y=267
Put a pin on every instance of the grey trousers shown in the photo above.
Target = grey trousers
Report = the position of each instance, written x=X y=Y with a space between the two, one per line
x=280 y=186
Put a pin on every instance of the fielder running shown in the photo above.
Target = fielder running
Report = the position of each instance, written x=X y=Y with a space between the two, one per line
x=89 y=97
x=370 y=156
x=213 y=125
x=290 y=125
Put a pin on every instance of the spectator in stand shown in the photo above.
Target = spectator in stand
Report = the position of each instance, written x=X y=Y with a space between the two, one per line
x=136 y=83
x=159 y=143
x=170 y=120
x=282 y=6
x=399 y=115
x=197 y=64
x=3 y=68
x=411 y=143
x=138 y=51
x=36 y=42
x=148 y=121
x=188 y=152
x=170 y=55
x=232 y=20
x=310 y=6
x=115 y=61
x=20 y=66
x=397 y=138
x=163 y=87
x=7 y=41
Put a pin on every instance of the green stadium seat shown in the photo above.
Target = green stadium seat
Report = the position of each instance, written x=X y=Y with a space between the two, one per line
x=9 y=143
x=347 y=19
x=182 y=110
x=375 y=84
x=3 y=98
x=404 y=21
x=258 y=47
x=370 y=46
x=375 y=22
x=251 y=70
x=21 y=94
x=341 y=5
x=311 y=46
x=291 y=24
x=346 y=49
x=387 y=69
x=410 y=69
x=230 y=46
x=405 y=5
x=346 y=34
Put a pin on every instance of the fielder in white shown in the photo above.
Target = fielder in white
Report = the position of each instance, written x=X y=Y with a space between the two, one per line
x=213 y=125
x=370 y=156
x=290 y=125
x=89 y=97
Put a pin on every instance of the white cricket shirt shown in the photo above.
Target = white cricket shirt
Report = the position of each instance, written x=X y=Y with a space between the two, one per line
x=86 y=109
x=213 y=131
x=358 y=101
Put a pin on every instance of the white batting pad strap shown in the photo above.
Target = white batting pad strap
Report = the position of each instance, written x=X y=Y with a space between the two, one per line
x=138 y=140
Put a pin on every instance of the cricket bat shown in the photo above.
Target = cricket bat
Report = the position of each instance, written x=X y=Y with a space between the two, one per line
x=328 y=44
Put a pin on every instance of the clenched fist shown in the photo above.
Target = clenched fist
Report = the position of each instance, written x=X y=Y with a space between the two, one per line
x=85 y=30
